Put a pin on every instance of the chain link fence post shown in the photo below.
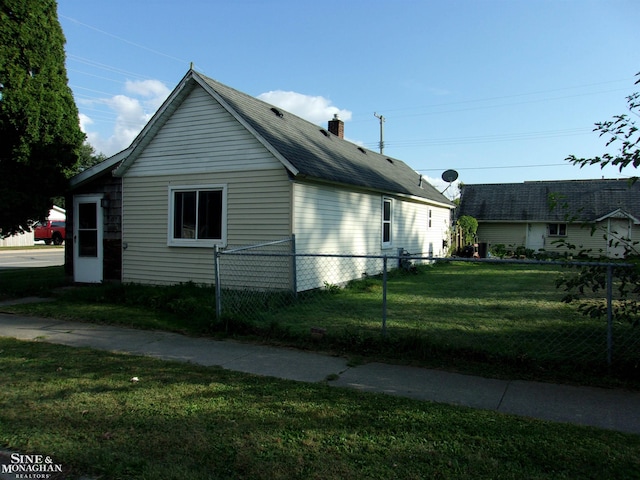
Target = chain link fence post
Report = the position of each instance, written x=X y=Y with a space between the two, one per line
x=384 y=296
x=216 y=253
x=294 y=267
x=609 y=314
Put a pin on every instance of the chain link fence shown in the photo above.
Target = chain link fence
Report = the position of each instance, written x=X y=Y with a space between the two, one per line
x=509 y=310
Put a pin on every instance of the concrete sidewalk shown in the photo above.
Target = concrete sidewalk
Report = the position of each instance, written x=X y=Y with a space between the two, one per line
x=609 y=409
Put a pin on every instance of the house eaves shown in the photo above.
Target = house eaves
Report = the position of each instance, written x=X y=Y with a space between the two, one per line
x=618 y=213
x=99 y=169
x=412 y=198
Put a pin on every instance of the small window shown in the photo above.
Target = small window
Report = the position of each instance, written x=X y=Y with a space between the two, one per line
x=387 y=221
x=197 y=216
x=429 y=218
x=557 y=229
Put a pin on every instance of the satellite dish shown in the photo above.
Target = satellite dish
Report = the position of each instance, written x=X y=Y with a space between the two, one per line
x=449 y=176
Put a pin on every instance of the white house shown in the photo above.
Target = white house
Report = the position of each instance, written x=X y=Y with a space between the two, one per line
x=215 y=166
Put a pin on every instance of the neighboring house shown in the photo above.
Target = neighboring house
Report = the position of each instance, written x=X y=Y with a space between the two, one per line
x=536 y=215
x=215 y=166
x=27 y=239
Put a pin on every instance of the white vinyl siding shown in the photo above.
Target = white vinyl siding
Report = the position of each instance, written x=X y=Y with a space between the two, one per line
x=411 y=230
x=508 y=234
x=258 y=209
x=514 y=235
x=201 y=137
x=334 y=220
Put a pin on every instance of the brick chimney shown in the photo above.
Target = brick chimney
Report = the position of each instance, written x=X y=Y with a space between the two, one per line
x=336 y=126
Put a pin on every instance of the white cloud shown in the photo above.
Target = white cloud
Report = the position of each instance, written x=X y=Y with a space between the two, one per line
x=132 y=111
x=154 y=90
x=315 y=109
x=85 y=121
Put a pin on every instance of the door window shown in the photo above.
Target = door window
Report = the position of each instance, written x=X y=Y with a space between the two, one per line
x=87 y=229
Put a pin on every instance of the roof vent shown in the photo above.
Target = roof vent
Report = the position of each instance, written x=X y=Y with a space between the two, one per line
x=362 y=150
x=389 y=160
x=277 y=112
x=324 y=132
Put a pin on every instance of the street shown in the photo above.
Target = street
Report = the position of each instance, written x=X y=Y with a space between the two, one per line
x=42 y=257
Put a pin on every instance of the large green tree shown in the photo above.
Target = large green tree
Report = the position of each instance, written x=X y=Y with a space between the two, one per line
x=39 y=129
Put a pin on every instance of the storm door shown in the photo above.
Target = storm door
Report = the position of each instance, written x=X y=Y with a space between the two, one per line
x=87 y=239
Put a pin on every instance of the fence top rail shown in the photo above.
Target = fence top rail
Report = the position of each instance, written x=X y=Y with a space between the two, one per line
x=259 y=245
x=509 y=261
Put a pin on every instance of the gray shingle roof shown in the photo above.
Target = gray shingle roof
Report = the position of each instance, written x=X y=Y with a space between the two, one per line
x=579 y=200
x=318 y=154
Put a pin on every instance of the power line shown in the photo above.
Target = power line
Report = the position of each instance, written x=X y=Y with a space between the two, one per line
x=486 y=138
x=157 y=52
x=525 y=94
x=502 y=167
x=103 y=66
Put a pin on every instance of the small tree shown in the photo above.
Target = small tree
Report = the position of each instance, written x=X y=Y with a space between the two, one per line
x=623 y=133
x=468 y=227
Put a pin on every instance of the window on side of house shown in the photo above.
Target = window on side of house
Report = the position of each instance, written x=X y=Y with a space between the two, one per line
x=557 y=229
x=429 y=218
x=197 y=216
x=387 y=221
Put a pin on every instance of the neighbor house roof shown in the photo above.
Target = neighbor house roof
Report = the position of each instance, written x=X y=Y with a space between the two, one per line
x=308 y=151
x=551 y=201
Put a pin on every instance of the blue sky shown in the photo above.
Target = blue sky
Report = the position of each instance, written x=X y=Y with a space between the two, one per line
x=501 y=91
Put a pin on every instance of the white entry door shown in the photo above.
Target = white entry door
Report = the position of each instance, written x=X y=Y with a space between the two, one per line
x=536 y=233
x=87 y=239
x=618 y=234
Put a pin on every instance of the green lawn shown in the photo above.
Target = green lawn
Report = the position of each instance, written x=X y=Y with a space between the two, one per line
x=496 y=320
x=80 y=407
x=459 y=315
x=26 y=282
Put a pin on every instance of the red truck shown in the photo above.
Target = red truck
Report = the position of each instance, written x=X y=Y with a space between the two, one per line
x=51 y=231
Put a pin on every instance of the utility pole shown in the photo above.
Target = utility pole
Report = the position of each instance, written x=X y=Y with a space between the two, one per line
x=381 y=118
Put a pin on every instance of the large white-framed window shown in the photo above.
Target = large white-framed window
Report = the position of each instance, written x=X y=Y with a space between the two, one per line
x=387 y=222
x=197 y=215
